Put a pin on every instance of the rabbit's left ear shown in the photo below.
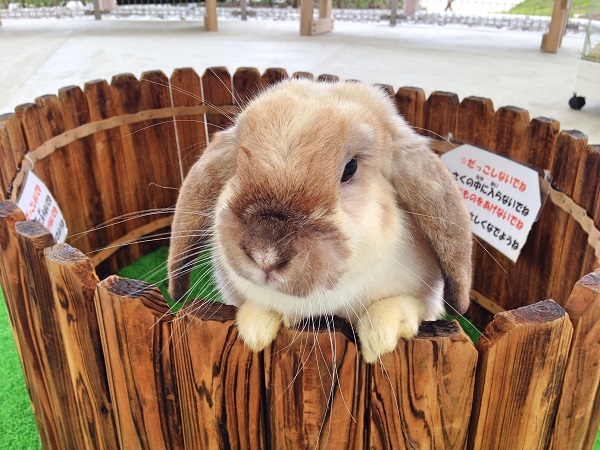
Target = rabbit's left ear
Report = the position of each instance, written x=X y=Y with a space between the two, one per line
x=426 y=188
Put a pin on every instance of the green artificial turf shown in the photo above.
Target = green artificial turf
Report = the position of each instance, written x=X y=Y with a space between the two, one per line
x=18 y=430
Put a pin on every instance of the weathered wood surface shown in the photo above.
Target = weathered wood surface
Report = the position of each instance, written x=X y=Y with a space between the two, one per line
x=316 y=386
x=578 y=415
x=12 y=149
x=422 y=392
x=217 y=87
x=441 y=110
x=23 y=325
x=33 y=238
x=220 y=381
x=135 y=329
x=74 y=281
x=522 y=359
x=247 y=84
x=186 y=89
x=274 y=75
x=410 y=102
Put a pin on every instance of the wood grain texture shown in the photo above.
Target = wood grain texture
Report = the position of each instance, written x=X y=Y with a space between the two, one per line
x=410 y=102
x=74 y=281
x=81 y=174
x=186 y=88
x=220 y=380
x=112 y=169
x=510 y=131
x=422 y=392
x=590 y=260
x=441 y=112
x=22 y=323
x=328 y=78
x=12 y=149
x=247 y=84
x=316 y=385
x=274 y=75
x=570 y=148
x=307 y=75
x=474 y=123
x=578 y=418
x=218 y=90
x=135 y=330
x=522 y=359
x=33 y=238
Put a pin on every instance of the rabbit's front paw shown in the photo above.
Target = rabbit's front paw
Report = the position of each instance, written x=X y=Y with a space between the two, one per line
x=384 y=323
x=257 y=326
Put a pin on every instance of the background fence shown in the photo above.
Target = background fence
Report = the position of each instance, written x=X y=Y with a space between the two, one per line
x=505 y=14
x=108 y=366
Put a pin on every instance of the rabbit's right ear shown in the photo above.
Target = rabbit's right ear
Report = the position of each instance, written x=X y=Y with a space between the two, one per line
x=194 y=210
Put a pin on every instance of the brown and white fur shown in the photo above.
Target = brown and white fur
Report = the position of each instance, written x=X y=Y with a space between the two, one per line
x=290 y=240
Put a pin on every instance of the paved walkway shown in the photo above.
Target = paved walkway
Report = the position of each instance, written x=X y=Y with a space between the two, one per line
x=40 y=56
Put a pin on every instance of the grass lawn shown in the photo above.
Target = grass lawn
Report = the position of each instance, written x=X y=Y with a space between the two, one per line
x=544 y=7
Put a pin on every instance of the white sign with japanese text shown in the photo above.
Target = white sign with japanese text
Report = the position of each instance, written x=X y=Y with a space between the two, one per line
x=37 y=203
x=502 y=196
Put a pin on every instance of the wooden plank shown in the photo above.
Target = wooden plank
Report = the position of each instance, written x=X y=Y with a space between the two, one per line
x=12 y=149
x=522 y=359
x=327 y=78
x=510 y=133
x=410 y=102
x=113 y=171
x=87 y=200
x=423 y=391
x=218 y=90
x=220 y=381
x=274 y=75
x=247 y=84
x=307 y=75
x=23 y=327
x=577 y=419
x=33 y=238
x=161 y=150
x=589 y=257
x=135 y=329
x=441 y=111
x=74 y=281
x=321 y=26
x=553 y=38
x=570 y=147
x=474 y=123
x=306 y=17
x=316 y=384
x=186 y=88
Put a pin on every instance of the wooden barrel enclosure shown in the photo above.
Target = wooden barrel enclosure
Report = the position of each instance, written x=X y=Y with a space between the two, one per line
x=108 y=366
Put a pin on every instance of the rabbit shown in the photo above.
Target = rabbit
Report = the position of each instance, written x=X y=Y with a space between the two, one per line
x=321 y=200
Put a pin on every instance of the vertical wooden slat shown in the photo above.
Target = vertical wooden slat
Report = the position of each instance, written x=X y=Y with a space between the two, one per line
x=113 y=171
x=522 y=359
x=74 y=282
x=474 y=123
x=247 y=84
x=410 y=102
x=12 y=149
x=161 y=150
x=219 y=380
x=135 y=328
x=274 y=75
x=441 y=111
x=577 y=419
x=81 y=174
x=510 y=132
x=186 y=90
x=307 y=75
x=541 y=145
x=327 y=78
x=589 y=257
x=570 y=147
x=24 y=327
x=217 y=89
x=316 y=385
x=423 y=391
x=33 y=238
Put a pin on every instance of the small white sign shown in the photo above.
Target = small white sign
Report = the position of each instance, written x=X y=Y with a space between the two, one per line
x=37 y=203
x=502 y=196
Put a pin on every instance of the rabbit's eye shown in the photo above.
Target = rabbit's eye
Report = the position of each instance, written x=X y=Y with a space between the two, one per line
x=349 y=170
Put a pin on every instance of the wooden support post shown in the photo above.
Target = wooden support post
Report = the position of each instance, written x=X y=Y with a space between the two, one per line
x=522 y=360
x=97 y=14
x=210 y=17
x=309 y=26
x=552 y=40
x=244 y=9
x=393 y=13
